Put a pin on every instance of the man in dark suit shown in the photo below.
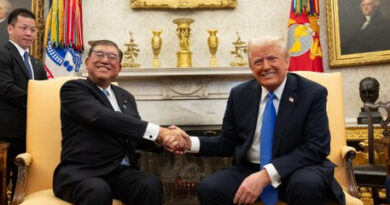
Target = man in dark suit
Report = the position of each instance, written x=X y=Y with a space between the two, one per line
x=5 y=7
x=101 y=130
x=372 y=31
x=16 y=68
x=297 y=170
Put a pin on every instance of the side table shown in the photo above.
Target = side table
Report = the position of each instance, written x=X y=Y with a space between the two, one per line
x=3 y=172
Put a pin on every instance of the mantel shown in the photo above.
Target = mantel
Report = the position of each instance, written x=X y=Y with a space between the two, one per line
x=172 y=72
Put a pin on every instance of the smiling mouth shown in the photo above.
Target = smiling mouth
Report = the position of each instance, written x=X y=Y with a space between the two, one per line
x=268 y=74
x=106 y=68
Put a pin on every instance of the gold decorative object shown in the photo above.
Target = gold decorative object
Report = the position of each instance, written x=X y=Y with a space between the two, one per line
x=239 y=49
x=131 y=53
x=184 y=33
x=212 y=41
x=37 y=8
x=182 y=4
x=156 y=47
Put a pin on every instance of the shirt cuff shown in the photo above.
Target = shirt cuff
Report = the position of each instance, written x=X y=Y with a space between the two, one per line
x=195 y=145
x=273 y=174
x=151 y=132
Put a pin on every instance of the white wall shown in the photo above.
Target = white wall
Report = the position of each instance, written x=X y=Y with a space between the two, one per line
x=112 y=19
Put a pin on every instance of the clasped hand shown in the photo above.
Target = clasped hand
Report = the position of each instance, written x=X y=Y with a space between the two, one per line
x=174 y=139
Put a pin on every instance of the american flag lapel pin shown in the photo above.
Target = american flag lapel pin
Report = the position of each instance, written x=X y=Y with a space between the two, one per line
x=291 y=99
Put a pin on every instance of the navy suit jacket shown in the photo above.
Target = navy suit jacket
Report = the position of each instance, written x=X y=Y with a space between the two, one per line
x=301 y=133
x=95 y=138
x=13 y=90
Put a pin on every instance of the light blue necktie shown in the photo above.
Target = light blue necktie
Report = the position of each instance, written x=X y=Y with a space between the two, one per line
x=27 y=64
x=106 y=93
x=269 y=196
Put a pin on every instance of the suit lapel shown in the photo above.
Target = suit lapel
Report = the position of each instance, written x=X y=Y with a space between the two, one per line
x=286 y=107
x=121 y=99
x=253 y=105
x=15 y=54
x=100 y=95
x=35 y=67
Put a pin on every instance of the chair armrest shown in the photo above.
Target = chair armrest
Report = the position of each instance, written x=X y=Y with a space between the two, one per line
x=348 y=154
x=22 y=161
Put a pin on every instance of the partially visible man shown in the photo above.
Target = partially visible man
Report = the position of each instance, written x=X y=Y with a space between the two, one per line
x=276 y=128
x=16 y=68
x=5 y=7
x=101 y=130
x=372 y=31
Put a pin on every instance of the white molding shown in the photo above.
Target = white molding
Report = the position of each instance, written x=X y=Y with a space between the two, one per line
x=173 y=72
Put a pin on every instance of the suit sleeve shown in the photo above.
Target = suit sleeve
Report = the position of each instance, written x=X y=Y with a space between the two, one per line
x=8 y=89
x=224 y=144
x=78 y=103
x=315 y=144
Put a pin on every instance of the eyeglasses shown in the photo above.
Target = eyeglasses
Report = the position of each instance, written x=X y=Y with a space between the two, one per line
x=26 y=28
x=101 y=54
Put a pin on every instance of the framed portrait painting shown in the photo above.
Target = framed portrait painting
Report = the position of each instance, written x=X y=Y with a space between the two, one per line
x=36 y=6
x=358 y=32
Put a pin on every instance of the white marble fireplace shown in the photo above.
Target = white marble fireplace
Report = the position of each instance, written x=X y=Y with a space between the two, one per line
x=182 y=96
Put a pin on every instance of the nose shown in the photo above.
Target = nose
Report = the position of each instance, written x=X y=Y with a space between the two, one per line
x=266 y=65
x=104 y=59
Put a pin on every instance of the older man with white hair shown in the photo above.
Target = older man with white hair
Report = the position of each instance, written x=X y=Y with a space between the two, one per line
x=5 y=7
x=372 y=32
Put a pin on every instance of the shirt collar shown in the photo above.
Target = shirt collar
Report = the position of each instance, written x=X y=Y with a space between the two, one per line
x=108 y=89
x=278 y=91
x=20 y=49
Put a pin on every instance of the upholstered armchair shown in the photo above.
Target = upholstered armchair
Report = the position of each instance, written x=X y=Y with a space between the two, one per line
x=35 y=168
x=340 y=154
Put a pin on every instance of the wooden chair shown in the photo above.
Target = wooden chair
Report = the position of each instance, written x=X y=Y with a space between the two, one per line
x=373 y=175
x=35 y=168
x=340 y=154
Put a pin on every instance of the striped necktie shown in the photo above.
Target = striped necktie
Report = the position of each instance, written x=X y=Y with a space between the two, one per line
x=27 y=64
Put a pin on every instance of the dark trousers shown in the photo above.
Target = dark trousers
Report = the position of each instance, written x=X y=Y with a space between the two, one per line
x=305 y=186
x=16 y=146
x=127 y=184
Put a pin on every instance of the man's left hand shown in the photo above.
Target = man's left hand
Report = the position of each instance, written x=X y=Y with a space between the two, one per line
x=251 y=188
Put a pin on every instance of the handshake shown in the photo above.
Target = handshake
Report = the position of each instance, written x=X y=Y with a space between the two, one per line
x=174 y=139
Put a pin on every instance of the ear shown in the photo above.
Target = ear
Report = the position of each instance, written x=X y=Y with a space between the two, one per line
x=287 y=63
x=86 y=63
x=9 y=28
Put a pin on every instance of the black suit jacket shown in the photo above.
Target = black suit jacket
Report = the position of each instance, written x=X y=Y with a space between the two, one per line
x=3 y=32
x=13 y=90
x=301 y=133
x=95 y=138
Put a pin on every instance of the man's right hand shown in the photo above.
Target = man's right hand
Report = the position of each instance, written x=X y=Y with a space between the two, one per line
x=174 y=139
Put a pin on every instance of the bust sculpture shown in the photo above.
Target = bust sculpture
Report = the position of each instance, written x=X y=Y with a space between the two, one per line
x=369 y=93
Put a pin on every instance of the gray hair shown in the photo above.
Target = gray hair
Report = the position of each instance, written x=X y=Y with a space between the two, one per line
x=376 y=2
x=268 y=40
x=7 y=5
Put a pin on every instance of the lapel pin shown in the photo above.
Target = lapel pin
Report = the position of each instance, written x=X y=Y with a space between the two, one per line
x=291 y=99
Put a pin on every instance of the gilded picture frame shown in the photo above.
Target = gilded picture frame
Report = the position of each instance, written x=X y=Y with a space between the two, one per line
x=37 y=7
x=343 y=19
x=182 y=4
